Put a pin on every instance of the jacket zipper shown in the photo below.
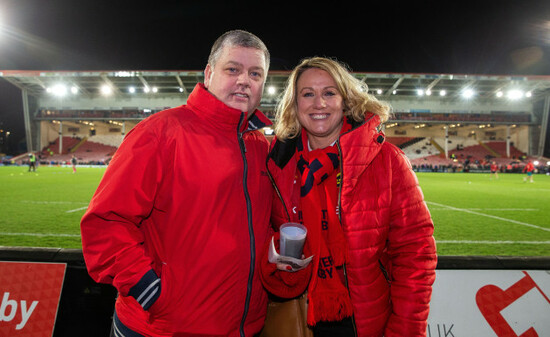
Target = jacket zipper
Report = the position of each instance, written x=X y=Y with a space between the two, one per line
x=278 y=192
x=242 y=147
x=340 y=219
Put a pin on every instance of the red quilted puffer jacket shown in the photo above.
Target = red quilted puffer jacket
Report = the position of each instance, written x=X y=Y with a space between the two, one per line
x=386 y=222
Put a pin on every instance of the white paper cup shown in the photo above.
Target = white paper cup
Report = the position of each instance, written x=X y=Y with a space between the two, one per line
x=293 y=236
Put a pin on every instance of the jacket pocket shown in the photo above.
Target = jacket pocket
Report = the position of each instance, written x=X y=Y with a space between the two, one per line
x=120 y=330
x=158 y=308
x=147 y=290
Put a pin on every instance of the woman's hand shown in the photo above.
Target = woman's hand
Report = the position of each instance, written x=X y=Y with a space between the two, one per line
x=287 y=263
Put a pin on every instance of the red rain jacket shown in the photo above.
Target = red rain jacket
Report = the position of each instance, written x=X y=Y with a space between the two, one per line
x=387 y=224
x=187 y=196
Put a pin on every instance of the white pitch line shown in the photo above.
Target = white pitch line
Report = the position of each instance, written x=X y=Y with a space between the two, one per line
x=488 y=209
x=51 y=202
x=41 y=234
x=494 y=242
x=76 y=210
x=490 y=216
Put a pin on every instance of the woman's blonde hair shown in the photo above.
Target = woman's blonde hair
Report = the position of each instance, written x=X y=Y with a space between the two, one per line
x=356 y=99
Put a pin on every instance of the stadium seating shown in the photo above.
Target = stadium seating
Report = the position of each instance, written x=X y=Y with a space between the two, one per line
x=429 y=154
x=88 y=152
x=399 y=141
x=422 y=152
x=500 y=147
x=111 y=140
x=421 y=149
x=68 y=143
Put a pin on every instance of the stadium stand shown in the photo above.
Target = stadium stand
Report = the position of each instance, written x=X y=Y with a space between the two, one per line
x=400 y=141
x=500 y=148
x=422 y=148
x=111 y=140
x=67 y=144
x=428 y=155
x=85 y=150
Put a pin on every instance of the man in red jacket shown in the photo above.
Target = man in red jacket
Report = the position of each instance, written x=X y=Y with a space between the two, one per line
x=182 y=212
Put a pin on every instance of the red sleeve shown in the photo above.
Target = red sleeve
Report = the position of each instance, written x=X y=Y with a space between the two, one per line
x=412 y=253
x=112 y=242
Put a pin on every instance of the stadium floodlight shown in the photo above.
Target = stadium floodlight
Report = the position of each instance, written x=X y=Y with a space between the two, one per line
x=132 y=90
x=271 y=90
x=514 y=94
x=468 y=93
x=124 y=74
x=500 y=94
x=181 y=89
x=442 y=93
x=428 y=92
x=59 y=90
x=528 y=94
x=394 y=92
x=74 y=90
x=106 y=90
x=420 y=92
x=146 y=90
x=536 y=162
x=155 y=89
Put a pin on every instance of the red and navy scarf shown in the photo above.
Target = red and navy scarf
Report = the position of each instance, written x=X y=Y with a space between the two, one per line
x=328 y=297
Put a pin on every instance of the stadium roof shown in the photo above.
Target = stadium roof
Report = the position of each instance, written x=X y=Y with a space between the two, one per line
x=388 y=86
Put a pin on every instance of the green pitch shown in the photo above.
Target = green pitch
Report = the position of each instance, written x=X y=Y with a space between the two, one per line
x=473 y=213
x=476 y=214
x=44 y=208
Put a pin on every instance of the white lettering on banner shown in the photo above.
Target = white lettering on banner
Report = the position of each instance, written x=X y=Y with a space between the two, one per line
x=440 y=330
x=12 y=305
x=4 y=305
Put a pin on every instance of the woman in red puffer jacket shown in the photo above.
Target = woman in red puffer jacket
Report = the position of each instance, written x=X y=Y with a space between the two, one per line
x=369 y=229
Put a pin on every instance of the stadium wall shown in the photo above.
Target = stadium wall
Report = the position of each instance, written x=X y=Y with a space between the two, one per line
x=158 y=102
x=435 y=104
x=467 y=288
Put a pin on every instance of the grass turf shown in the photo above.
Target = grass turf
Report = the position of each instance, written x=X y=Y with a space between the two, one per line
x=474 y=214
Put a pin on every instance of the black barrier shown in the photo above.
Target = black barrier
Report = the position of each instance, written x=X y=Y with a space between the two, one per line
x=86 y=307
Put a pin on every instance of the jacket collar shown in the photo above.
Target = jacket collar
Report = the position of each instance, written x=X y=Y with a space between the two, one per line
x=210 y=108
x=364 y=134
x=359 y=147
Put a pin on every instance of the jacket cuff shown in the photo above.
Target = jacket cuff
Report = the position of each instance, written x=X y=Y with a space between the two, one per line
x=147 y=290
x=282 y=283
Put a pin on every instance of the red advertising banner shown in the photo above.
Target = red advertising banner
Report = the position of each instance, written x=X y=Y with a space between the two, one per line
x=490 y=303
x=29 y=297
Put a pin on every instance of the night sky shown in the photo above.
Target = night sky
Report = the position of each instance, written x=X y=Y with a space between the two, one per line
x=460 y=37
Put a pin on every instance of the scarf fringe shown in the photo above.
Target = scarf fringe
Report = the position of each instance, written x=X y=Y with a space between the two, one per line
x=331 y=306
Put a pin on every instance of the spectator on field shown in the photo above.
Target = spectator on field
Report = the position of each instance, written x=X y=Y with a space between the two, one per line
x=183 y=209
x=73 y=162
x=494 y=169
x=369 y=230
x=32 y=162
x=529 y=169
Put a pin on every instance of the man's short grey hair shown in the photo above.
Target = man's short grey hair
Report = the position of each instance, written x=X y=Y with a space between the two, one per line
x=237 y=38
